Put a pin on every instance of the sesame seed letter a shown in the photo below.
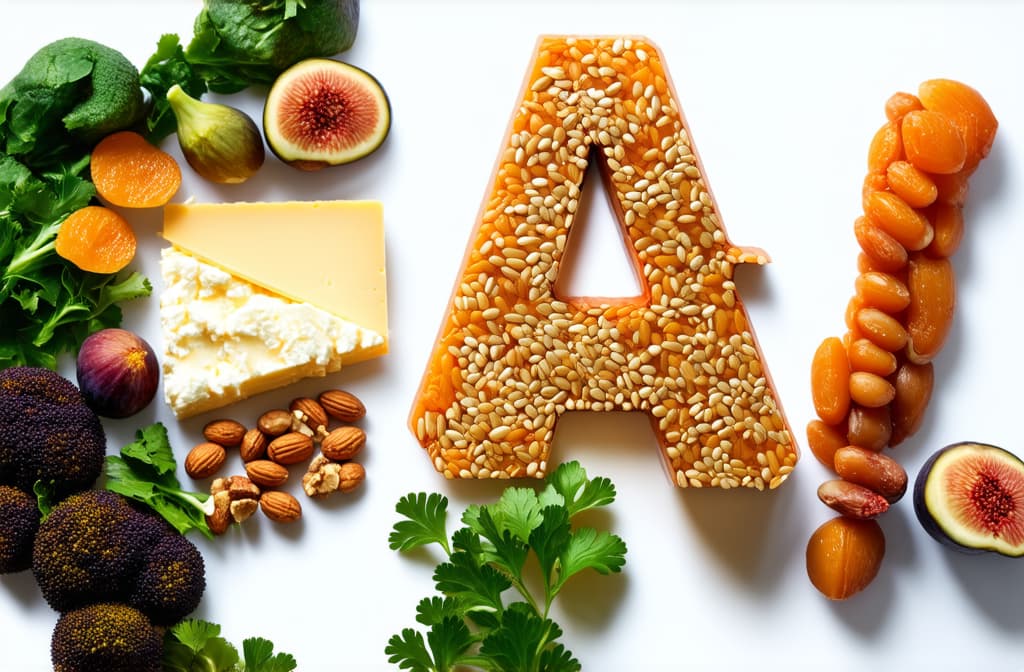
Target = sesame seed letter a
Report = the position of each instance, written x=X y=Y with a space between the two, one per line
x=512 y=355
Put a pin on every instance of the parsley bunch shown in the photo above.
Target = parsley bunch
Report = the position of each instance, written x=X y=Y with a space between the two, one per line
x=194 y=645
x=470 y=623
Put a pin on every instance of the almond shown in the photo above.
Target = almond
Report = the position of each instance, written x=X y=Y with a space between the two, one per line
x=227 y=433
x=342 y=405
x=266 y=473
x=275 y=422
x=343 y=443
x=280 y=506
x=290 y=448
x=309 y=411
x=204 y=460
x=253 y=445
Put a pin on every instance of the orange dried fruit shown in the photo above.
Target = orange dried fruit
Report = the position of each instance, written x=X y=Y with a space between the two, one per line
x=130 y=172
x=830 y=381
x=968 y=111
x=96 y=239
x=932 y=142
x=844 y=555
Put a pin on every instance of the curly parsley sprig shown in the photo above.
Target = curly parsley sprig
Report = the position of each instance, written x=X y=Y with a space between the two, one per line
x=470 y=623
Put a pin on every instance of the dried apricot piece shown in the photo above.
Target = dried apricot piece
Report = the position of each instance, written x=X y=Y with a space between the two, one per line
x=830 y=381
x=824 y=440
x=932 y=285
x=130 y=172
x=96 y=239
x=886 y=147
x=844 y=555
x=932 y=142
x=911 y=184
x=900 y=103
x=968 y=111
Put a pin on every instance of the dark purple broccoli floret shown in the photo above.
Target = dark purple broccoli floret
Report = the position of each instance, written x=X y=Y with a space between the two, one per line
x=105 y=637
x=19 y=521
x=47 y=432
x=171 y=581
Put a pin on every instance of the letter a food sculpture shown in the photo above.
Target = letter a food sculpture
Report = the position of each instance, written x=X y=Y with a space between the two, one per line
x=512 y=356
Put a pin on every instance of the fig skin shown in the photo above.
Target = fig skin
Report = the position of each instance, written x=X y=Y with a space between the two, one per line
x=117 y=372
x=932 y=522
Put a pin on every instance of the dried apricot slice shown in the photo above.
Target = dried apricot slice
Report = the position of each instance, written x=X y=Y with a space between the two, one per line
x=96 y=239
x=130 y=172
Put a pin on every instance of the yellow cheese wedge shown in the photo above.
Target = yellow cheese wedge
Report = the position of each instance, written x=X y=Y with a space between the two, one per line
x=329 y=254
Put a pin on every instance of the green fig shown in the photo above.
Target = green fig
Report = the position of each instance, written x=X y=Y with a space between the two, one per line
x=221 y=143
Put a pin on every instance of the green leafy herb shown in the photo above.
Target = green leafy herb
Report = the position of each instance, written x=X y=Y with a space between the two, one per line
x=145 y=472
x=194 y=645
x=47 y=305
x=472 y=623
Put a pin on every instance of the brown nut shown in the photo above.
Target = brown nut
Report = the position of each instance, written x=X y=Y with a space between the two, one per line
x=343 y=443
x=240 y=487
x=242 y=509
x=875 y=471
x=342 y=405
x=275 y=422
x=852 y=500
x=322 y=478
x=253 y=445
x=280 y=506
x=266 y=473
x=220 y=519
x=290 y=448
x=227 y=433
x=309 y=412
x=204 y=460
x=352 y=475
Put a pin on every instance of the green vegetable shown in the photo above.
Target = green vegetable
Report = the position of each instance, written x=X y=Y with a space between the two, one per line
x=145 y=472
x=470 y=624
x=196 y=646
x=68 y=95
x=239 y=43
x=47 y=305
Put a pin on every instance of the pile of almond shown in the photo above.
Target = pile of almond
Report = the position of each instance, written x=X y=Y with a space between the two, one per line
x=280 y=439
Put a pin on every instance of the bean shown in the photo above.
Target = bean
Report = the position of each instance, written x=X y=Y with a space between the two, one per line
x=932 y=287
x=830 y=381
x=843 y=556
x=911 y=184
x=870 y=389
x=913 y=384
x=891 y=213
x=869 y=428
x=881 y=329
x=885 y=252
x=932 y=142
x=899 y=104
x=866 y=356
x=886 y=146
x=948 y=223
x=873 y=470
x=967 y=110
x=852 y=500
x=882 y=291
x=824 y=440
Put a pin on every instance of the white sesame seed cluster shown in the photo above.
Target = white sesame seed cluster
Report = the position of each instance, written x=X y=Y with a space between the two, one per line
x=513 y=357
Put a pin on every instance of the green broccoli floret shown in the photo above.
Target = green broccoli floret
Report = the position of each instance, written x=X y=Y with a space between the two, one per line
x=47 y=432
x=105 y=637
x=172 y=580
x=90 y=548
x=19 y=521
x=72 y=91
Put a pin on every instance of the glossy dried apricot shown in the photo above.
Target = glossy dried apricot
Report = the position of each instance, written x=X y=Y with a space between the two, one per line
x=870 y=390
x=844 y=555
x=886 y=146
x=932 y=285
x=866 y=356
x=885 y=252
x=932 y=142
x=869 y=428
x=830 y=381
x=96 y=239
x=130 y=172
x=911 y=184
x=969 y=112
x=824 y=440
x=948 y=224
x=893 y=215
x=913 y=384
x=952 y=188
x=882 y=329
x=900 y=103
x=883 y=291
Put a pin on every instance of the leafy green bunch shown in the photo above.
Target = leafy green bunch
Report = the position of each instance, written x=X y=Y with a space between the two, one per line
x=196 y=646
x=47 y=305
x=470 y=623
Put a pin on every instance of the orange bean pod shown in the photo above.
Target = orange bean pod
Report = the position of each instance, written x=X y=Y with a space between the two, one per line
x=932 y=142
x=911 y=184
x=892 y=214
x=882 y=291
x=830 y=381
x=932 y=287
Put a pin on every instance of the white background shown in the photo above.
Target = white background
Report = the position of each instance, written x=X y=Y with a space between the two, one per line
x=782 y=100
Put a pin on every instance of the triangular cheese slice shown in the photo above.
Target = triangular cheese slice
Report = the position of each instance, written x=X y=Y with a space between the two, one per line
x=326 y=253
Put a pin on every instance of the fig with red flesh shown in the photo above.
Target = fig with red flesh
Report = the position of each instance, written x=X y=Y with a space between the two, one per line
x=970 y=496
x=321 y=112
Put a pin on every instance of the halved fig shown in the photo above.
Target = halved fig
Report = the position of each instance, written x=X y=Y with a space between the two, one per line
x=321 y=112
x=970 y=496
